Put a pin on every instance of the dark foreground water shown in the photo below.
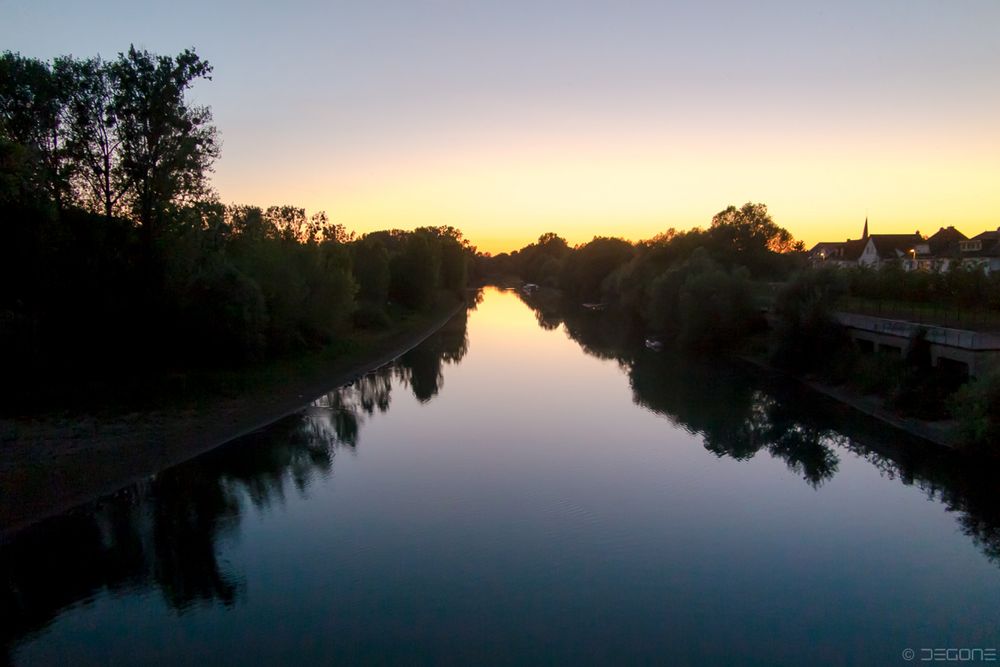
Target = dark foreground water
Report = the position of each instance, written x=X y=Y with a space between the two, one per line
x=524 y=489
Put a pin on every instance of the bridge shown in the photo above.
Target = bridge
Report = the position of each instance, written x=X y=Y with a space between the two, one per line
x=970 y=352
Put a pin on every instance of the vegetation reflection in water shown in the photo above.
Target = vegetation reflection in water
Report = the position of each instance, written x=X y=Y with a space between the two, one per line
x=738 y=415
x=164 y=535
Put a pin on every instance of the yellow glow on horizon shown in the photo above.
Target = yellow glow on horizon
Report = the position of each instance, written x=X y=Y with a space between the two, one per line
x=504 y=193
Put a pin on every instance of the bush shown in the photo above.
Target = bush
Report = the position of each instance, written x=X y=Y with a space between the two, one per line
x=976 y=406
x=805 y=336
x=909 y=384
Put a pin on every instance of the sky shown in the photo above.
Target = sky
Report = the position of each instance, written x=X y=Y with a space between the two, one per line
x=509 y=119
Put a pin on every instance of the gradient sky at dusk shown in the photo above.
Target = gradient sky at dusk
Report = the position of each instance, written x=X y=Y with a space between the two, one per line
x=509 y=119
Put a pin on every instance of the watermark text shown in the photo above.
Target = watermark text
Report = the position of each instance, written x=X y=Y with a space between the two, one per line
x=950 y=654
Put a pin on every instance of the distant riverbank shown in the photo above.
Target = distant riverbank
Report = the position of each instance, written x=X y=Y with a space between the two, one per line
x=51 y=463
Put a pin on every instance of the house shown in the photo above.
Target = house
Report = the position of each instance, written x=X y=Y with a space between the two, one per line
x=946 y=248
x=837 y=253
x=840 y=254
x=981 y=251
x=884 y=248
x=936 y=253
x=943 y=238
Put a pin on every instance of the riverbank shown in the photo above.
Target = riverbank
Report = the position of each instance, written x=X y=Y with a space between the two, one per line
x=52 y=463
x=941 y=433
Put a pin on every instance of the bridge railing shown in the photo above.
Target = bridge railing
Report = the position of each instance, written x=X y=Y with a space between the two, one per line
x=932 y=314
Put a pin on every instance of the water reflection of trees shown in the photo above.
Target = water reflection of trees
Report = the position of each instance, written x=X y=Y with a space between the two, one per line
x=965 y=487
x=598 y=335
x=338 y=415
x=547 y=306
x=164 y=533
x=734 y=417
x=738 y=414
x=421 y=368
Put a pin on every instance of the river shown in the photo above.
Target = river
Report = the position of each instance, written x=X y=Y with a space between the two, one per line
x=528 y=486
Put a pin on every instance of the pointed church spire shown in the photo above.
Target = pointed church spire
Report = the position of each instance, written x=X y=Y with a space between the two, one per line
x=864 y=234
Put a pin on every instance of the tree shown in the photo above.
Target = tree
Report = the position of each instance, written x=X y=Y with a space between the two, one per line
x=370 y=263
x=93 y=140
x=452 y=253
x=454 y=270
x=415 y=271
x=286 y=222
x=701 y=304
x=319 y=229
x=584 y=271
x=247 y=223
x=167 y=146
x=750 y=228
x=32 y=100
x=553 y=245
x=541 y=262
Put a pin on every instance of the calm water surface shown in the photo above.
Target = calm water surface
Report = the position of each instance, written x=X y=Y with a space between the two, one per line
x=525 y=488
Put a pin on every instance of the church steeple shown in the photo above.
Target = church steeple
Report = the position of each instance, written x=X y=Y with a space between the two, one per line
x=864 y=234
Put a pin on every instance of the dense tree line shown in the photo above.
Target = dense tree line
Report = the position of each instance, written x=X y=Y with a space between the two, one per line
x=694 y=287
x=115 y=250
x=705 y=290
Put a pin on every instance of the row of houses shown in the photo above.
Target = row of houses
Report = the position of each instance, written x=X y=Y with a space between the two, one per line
x=941 y=251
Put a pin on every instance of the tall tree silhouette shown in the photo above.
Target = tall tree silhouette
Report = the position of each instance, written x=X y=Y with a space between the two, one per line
x=93 y=140
x=167 y=145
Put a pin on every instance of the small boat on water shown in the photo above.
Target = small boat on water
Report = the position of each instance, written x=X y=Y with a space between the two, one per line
x=593 y=306
x=654 y=344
